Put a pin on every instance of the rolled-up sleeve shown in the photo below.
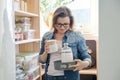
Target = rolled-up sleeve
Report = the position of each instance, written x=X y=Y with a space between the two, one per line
x=47 y=36
x=41 y=50
x=83 y=51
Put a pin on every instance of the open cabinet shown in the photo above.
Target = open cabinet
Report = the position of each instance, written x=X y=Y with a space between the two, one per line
x=27 y=39
x=91 y=73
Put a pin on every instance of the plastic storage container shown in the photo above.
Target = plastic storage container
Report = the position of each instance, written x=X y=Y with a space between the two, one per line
x=18 y=36
x=31 y=74
x=28 y=61
x=24 y=20
x=22 y=27
x=17 y=4
x=29 y=34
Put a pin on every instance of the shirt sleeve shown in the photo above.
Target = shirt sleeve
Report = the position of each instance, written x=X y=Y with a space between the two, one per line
x=47 y=35
x=83 y=51
x=41 y=50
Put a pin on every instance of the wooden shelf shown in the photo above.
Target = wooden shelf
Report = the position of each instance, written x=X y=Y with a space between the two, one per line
x=27 y=41
x=85 y=71
x=42 y=71
x=30 y=9
x=23 y=13
x=36 y=77
x=89 y=71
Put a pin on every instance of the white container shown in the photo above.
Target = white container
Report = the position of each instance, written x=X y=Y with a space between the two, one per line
x=53 y=47
x=25 y=20
x=28 y=61
x=31 y=74
x=29 y=34
x=66 y=54
x=23 y=27
x=17 y=4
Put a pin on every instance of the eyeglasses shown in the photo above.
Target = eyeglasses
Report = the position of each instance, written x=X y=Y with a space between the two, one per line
x=65 y=25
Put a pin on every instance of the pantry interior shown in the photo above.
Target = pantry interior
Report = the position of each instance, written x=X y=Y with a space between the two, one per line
x=27 y=42
x=27 y=37
x=109 y=17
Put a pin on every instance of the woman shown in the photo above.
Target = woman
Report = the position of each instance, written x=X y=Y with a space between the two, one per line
x=62 y=26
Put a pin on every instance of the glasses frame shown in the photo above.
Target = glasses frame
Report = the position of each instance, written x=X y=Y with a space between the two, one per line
x=65 y=25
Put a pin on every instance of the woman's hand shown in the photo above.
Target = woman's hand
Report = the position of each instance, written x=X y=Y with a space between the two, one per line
x=43 y=57
x=79 y=65
x=46 y=47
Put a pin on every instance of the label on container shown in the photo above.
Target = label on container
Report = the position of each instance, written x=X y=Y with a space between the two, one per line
x=52 y=46
x=67 y=55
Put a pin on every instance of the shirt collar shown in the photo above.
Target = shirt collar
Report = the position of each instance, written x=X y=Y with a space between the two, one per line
x=67 y=33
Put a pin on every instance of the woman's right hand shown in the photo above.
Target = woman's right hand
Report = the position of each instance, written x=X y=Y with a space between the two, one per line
x=46 y=47
x=43 y=57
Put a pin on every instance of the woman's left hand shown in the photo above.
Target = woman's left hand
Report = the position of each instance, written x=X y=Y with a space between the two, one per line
x=79 y=65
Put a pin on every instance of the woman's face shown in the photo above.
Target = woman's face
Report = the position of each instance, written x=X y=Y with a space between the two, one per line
x=62 y=25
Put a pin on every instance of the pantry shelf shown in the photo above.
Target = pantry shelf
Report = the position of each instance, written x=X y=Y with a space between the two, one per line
x=37 y=77
x=23 y=13
x=27 y=41
x=89 y=71
x=27 y=38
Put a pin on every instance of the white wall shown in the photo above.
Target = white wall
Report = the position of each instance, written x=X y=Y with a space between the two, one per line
x=7 y=48
x=109 y=40
x=94 y=16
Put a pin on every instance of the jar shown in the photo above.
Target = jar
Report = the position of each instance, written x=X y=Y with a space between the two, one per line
x=53 y=47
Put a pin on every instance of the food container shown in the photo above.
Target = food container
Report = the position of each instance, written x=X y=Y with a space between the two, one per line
x=18 y=36
x=31 y=74
x=31 y=63
x=17 y=4
x=24 y=20
x=23 y=27
x=22 y=5
x=29 y=34
x=53 y=47
x=28 y=61
x=66 y=54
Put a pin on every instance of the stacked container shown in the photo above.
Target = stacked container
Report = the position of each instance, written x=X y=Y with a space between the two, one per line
x=29 y=68
x=22 y=30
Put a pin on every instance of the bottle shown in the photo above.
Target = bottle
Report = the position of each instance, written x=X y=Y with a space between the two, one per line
x=66 y=54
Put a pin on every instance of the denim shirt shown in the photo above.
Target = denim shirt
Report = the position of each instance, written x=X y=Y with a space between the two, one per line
x=77 y=43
